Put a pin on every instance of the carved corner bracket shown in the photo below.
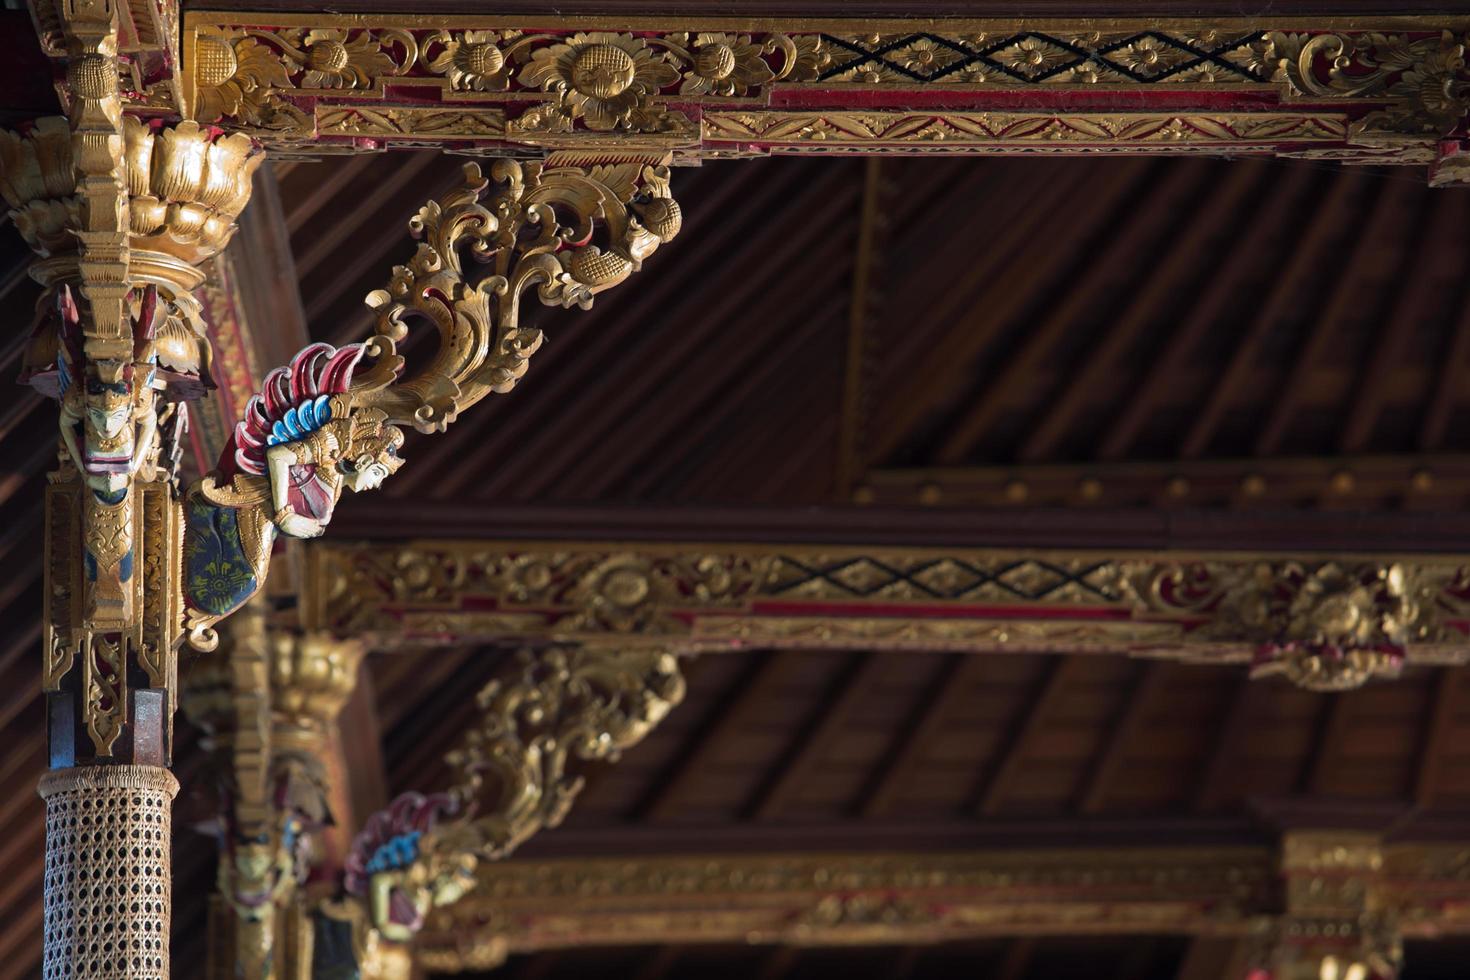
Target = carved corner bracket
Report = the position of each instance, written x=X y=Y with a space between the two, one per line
x=517 y=773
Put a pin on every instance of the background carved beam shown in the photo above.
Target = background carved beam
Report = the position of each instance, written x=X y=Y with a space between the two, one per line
x=897 y=897
x=1326 y=621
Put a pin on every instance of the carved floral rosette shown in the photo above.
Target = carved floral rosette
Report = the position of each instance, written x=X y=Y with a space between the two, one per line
x=604 y=81
x=1328 y=625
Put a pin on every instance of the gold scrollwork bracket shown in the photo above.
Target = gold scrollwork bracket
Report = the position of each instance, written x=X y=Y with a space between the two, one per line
x=517 y=771
x=516 y=768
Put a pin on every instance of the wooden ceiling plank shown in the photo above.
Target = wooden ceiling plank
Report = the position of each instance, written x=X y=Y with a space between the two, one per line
x=945 y=363
x=264 y=267
x=652 y=469
x=778 y=963
x=22 y=854
x=814 y=742
x=786 y=480
x=18 y=585
x=646 y=430
x=1423 y=263
x=1446 y=696
x=417 y=745
x=1208 y=958
x=1143 y=695
x=1012 y=755
x=17 y=697
x=993 y=289
x=1137 y=232
x=1447 y=385
x=20 y=938
x=1220 y=770
x=850 y=449
x=537 y=967
x=25 y=403
x=1017 y=960
x=1137 y=957
x=333 y=177
x=903 y=965
x=659 y=965
x=956 y=674
x=744 y=696
x=347 y=223
x=20 y=765
x=1326 y=751
x=1148 y=303
x=425 y=671
x=565 y=370
x=1392 y=207
x=1223 y=287
x=582 y=455
x=1285 y=290
x=28 y=470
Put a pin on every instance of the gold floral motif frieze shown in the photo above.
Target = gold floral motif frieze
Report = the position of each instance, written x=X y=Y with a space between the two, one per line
x=725 y=87
x=1325 y=622
x=920 y=897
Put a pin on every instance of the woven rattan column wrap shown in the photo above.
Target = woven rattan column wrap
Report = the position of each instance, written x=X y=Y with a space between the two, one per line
x=107 y=871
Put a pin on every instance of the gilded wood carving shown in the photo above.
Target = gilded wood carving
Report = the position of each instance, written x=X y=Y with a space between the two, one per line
x=332 y=420
x=1392 y=90
x=1326 y=624
x=1278 y=902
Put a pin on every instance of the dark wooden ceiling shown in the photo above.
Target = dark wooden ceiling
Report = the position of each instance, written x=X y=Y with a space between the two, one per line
x=1084 y=317
x=1038 y=312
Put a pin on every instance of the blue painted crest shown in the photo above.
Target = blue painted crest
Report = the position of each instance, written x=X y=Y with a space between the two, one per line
x=300 y=421
x=398 y=852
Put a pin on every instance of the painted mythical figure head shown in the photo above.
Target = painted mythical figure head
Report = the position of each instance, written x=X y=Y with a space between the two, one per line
x=397 y=868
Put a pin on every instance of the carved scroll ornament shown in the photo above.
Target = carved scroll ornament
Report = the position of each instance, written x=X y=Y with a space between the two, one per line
x=516 y=773
x=333 y=420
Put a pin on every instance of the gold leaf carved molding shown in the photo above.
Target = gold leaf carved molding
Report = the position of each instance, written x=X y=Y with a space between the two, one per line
x=1329 y=622
x=1390 y=90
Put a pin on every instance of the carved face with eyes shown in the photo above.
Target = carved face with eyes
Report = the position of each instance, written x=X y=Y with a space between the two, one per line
x=109 y=407
x=367 y=473
x=455 y=881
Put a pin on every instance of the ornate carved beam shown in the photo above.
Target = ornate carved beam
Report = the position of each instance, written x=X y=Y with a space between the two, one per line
x=1379 y=90
x=1327 y=622
x=1370 y=894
